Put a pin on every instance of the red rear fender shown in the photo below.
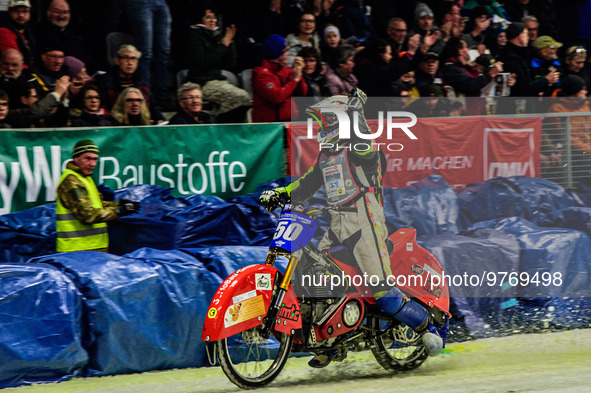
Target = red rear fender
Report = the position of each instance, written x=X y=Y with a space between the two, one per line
x=417 y=271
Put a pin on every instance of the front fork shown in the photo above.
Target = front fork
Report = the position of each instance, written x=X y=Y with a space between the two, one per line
x=281 y=291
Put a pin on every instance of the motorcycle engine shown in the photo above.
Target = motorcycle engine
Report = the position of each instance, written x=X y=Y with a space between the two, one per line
x=317 y=309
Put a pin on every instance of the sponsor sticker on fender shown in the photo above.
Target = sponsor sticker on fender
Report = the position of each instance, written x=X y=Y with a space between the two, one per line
x=432 y=272
x=244 y=296
x=417 y=269
x=244 y=310
x=292 y=313
x=263 y=280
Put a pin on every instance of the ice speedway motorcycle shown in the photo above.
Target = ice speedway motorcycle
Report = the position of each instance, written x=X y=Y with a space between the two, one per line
x=259 y=315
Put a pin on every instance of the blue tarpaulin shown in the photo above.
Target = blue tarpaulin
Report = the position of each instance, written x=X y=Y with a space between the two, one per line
x=531 y=198
x=495 y=198
x=194 y=221
x=482 y=306
x=571 y=217
x=144 y=311
x=40 y=325
x=540 y=197
x=223 y=261
x=563 y=253
x=556 y=267
x=27 y=234
x=430 y=206
x=166 y=222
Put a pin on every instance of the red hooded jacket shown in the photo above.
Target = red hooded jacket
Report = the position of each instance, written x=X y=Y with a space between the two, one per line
x=273 y=86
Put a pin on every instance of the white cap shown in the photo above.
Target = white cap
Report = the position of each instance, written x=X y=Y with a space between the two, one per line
x=18 y=3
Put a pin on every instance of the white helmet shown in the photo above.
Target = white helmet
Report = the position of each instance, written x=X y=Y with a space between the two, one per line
x=328 y=121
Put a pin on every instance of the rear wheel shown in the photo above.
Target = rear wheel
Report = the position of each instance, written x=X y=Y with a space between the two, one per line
x=251 y=361
x=398 y=348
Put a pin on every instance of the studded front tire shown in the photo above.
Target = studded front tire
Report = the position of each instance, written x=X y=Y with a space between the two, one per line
x=251 y=361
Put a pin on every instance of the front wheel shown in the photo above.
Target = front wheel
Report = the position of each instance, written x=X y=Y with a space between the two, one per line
x=251 y=361
x=396 y=348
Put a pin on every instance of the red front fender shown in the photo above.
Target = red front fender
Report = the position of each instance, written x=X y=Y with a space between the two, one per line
x=242 y=301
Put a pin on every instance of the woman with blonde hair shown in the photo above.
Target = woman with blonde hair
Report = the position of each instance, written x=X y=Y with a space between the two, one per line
x=575 y=62
x=130 y=108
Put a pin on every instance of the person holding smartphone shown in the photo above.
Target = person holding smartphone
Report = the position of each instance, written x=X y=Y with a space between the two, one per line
x=479 y=22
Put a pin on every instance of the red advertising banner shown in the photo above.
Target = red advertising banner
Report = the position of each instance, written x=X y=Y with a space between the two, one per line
x=462 y=150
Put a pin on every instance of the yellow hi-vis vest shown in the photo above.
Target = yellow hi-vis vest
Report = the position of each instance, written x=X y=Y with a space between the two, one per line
x=72 y=235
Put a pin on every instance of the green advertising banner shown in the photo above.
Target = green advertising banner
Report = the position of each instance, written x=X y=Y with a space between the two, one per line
x=222 y=160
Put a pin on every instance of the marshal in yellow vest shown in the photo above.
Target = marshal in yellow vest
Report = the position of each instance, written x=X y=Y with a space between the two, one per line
x=72 y=235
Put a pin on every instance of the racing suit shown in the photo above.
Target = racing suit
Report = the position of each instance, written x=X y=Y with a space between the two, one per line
x=351 y=179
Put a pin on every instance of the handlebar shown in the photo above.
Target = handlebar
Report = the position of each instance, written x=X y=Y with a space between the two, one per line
x=313 y=212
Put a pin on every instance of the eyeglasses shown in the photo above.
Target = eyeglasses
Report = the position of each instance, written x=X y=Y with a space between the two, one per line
x=190 y=98
x=4 y=103
x=20 y=10
x=400 y=30
x=134 y=100
x=308 y=21
x=129 y=58
x=77 y=84
x=58 y=12
x=93 y=98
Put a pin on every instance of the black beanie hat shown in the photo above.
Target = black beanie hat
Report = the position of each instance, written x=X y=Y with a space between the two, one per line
x=514 y=30
x=487 y=61
x=84 y=146
x=571 y=85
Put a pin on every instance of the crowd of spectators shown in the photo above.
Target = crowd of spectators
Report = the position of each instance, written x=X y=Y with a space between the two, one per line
x=55 y=70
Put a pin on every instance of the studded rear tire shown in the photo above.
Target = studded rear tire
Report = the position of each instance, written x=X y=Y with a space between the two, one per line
x=398 y=348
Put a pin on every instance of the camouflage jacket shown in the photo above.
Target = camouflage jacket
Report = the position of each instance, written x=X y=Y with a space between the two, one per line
x=74 y=196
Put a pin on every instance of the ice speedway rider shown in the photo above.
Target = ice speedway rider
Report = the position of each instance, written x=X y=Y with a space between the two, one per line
x=354 y=179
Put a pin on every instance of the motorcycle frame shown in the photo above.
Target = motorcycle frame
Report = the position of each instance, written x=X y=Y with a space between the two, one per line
x=282 y=309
